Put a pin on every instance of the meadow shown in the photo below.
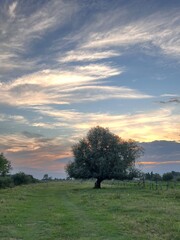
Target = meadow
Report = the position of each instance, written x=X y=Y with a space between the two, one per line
x=70 y=210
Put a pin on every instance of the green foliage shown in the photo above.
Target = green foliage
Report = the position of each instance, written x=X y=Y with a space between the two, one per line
x=22 y=178
x=153 y=176
x=6 y=181
x=46 y=178
x=102 y=155
x=5 y=165
x=16 y=179
x=148 y=176
x=176 y=175
x=167 y=176
x=134 y=173
x=157 y=177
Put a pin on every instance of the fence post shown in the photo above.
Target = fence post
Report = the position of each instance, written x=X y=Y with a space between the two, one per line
x=167 y=185
x=156 y=184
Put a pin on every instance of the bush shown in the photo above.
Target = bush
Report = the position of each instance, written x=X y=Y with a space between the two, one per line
x=16 y=179
x=167 y=176
x=22 y=178
x=134 y=173
x=6 y=181
x=156 y=177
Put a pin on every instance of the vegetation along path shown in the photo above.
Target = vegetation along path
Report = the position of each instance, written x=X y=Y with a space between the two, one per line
x=73 y=210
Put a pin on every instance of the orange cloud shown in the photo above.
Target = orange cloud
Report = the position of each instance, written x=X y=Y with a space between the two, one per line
x=159 y=163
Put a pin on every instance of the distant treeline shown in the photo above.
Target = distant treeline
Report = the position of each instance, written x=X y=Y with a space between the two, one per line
x=16 y=179
x=8 y=180
x=131 y=175
x=165 y=177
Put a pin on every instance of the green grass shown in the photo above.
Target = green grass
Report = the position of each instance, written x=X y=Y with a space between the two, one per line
x=73 y=210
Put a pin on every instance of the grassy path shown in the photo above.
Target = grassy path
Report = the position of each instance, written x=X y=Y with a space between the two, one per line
x=75 y=211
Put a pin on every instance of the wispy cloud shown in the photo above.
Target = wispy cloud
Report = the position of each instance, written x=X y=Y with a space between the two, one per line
x=12 y=9
x=22 y=27
x=88 y=56
x=32 y=150
x=160 y=29
x=77 y=84
x=25 y=27
x=160 y=163
x=56 y=56
x=169 y=95
x=171 y=100
x=145 y=126
x=121 y=36
x=97 y=93
x=13 y=118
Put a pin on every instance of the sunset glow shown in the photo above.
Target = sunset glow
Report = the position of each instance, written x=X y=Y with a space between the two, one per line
x=67 y=66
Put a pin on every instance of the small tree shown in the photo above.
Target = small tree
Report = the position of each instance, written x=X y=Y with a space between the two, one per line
x=167 y=176
x=22 y=178
x=45 y=177
x=157 y=177
x=5 y=165
x=102 y=155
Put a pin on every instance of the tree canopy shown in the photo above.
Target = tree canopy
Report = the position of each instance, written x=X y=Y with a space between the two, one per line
x=5 y=165
x=168 y=176
x=102 y=155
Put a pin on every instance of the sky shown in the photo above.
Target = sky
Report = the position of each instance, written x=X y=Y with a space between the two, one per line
x=69 y=65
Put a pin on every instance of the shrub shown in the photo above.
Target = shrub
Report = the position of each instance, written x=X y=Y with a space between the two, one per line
x=167 y=176
x=156 y=177
x=6 y=181
x=22 y=178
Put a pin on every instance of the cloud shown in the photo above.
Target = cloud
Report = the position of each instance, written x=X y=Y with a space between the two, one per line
x=160 y=163
x=117 y=37
x=97 y=93
x=33 y=150
x=59 y=54
x=171 y=100
x=12 y=9
x=88 y=56
x=76 y=84
x=20 y=142
x=169 y=95
x=159 y=154
x=144 y=126
x=159 y=29
x=32 y=135
x=71 y=76
x=27 y=26
x=28 y=150
x=13 y=118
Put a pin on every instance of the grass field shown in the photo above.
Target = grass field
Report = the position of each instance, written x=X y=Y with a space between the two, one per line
x=73 y=210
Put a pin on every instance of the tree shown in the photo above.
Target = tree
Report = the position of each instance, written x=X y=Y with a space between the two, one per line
x=22 y=178
x=102 y=155
x=45 y=177
x=134 y=173
x=157 y=177
x=167 y=176
x=5 y=165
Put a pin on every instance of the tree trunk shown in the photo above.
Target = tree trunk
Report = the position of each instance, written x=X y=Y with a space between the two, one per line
x=98 y=183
